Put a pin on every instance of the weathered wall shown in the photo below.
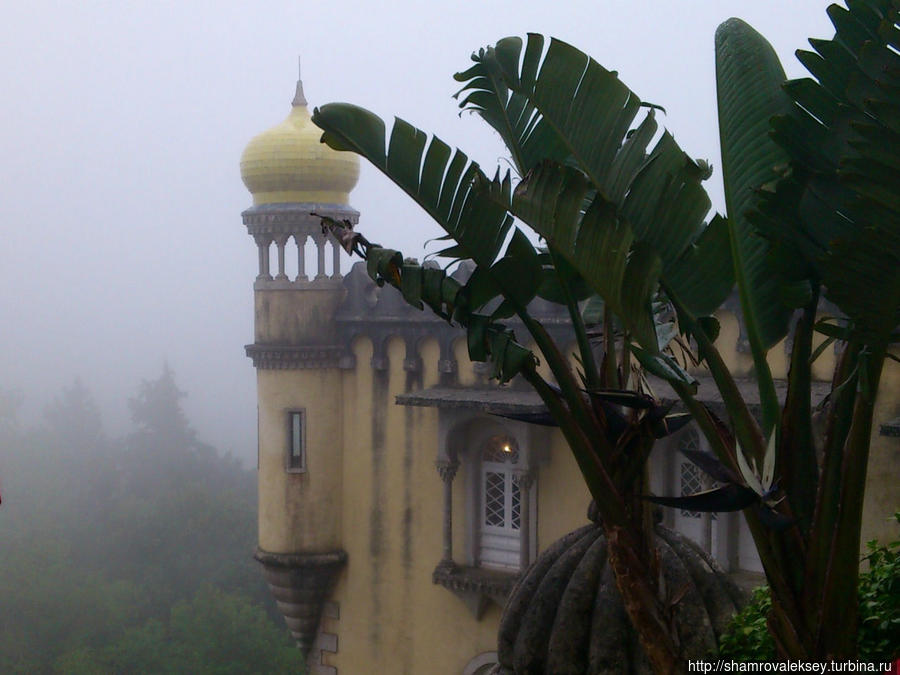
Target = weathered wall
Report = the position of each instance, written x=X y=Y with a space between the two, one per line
x=296 y=317
x=300 y=512
x=372 y=488
x=393 y=618
x=883 y=484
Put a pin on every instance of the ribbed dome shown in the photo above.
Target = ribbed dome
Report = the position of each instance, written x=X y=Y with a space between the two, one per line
x=287 y=163
x=565 y=615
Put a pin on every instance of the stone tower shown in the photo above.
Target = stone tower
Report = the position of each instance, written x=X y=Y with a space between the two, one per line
x=291 y=175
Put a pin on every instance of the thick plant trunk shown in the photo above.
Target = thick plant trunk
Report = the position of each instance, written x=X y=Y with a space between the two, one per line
x=637 y=580
x=822 y=623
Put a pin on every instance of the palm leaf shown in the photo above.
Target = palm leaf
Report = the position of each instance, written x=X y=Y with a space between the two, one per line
x=730 y=497
x=748 y=82
x=842 y=139
x=624 y=214
x=848 y=222
x=440 y=181
x=510 y=113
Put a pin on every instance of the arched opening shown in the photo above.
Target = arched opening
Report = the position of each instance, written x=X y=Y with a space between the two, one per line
x=481 y=664
x=311 y=253
x=500 y=542
x=291 y=264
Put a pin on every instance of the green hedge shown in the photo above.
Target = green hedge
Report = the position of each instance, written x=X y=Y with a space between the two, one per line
x=879 y=604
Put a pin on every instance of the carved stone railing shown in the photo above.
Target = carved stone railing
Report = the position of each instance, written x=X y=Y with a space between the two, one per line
x=289 y=227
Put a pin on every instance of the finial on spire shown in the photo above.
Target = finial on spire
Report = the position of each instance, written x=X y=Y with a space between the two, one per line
x=299 y=98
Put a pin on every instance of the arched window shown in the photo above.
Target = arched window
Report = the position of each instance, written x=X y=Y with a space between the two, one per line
x=481 y=664
x=500 y=542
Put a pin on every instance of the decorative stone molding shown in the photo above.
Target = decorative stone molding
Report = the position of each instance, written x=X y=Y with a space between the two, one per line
x=379 y=314
x=447 y=470
x=301 y=583
x=277 y=357
x=475 y=586
x=287 y=219
x=264 y=283
x=325 y=642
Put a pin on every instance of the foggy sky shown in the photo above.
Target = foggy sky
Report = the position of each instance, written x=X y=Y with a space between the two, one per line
x=122 y=129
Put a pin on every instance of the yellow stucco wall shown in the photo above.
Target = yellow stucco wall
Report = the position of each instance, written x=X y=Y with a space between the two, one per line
x=883 y=483
x=300 y=512
x=741 y=362
x=299 y=317
x=393 y=619
x=372 y=489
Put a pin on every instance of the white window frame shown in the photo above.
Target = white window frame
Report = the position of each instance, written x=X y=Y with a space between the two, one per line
x=296 y=440
x=461 y=438
x=732 y=545
x=499 y=546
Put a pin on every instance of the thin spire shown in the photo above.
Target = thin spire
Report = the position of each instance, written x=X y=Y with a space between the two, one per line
x=299 y=98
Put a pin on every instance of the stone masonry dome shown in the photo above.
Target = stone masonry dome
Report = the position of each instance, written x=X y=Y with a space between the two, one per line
x=289 y=164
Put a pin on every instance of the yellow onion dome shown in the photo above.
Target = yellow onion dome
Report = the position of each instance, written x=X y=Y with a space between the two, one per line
x=288 y=163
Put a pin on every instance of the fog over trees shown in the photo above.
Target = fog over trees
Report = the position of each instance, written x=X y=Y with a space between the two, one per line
x=123 y=130
x=129 y=554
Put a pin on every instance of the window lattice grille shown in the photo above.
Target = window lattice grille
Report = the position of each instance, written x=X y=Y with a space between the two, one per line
x=516 y=516
x=693 y=480
x=494 y=499
x=691 y=483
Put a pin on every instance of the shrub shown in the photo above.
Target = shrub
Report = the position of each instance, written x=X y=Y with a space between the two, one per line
x=878 y=639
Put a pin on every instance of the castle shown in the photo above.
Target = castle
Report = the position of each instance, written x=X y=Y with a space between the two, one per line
x=396 y=504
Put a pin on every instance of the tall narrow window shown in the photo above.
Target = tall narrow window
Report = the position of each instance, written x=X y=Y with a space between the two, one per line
x=501 y=515
x=296 y=450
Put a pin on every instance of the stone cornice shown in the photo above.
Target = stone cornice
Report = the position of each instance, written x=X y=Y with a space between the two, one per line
x=291 y=357
x=301 y=584
x=301 y=560
x=477 y=579
x=285 y=219
x=475 y=586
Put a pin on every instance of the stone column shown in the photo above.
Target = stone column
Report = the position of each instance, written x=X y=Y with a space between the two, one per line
x=300 y=240
x=447 y=470
x=336 y=259
x=524 y=480
x=262 y=243
x=280 y=243
x=320 y=251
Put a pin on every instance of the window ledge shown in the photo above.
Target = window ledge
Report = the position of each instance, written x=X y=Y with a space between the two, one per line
x=477 y=587
x=891 y=428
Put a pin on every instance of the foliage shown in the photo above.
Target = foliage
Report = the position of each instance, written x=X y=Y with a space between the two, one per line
x=214 y=632
x=586 y=213
x=879 y=602
x=133 y=554
x=623 y=221
x=747 y=638
x=878 y=639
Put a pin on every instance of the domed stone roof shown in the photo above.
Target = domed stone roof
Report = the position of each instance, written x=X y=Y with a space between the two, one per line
x=565 y=614
x=289 y=164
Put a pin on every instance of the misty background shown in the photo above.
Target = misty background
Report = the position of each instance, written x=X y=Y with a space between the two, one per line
x=122 y=128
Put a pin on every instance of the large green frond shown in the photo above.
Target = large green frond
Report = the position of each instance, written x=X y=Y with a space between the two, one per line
x=749 y=80
x=441 y=181
x=844 y=190
x=510 y=113
x=616 y=197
